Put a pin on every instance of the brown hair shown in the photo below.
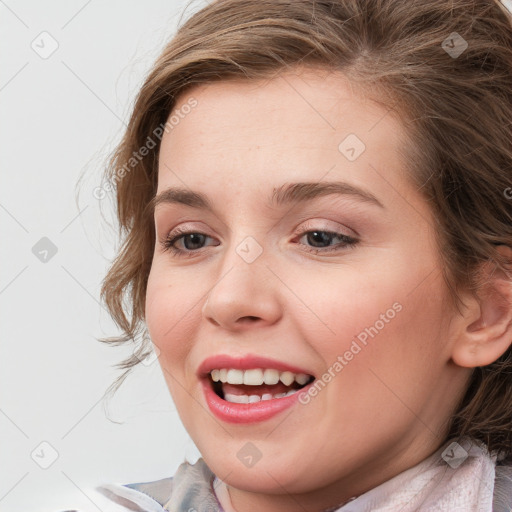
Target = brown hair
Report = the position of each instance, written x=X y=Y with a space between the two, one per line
x=457 y=109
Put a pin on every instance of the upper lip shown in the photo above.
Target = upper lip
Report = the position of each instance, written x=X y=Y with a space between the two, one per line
x=245 y=362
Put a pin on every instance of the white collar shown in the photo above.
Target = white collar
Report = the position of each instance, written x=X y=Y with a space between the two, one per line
x=456 y=477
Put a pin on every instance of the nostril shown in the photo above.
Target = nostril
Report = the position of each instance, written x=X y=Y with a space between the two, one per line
x=249 y=318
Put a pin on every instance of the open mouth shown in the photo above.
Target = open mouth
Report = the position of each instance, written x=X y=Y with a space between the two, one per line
x=256 y=385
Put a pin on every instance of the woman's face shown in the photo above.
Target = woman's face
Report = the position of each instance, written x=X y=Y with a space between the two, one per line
x=342 y=284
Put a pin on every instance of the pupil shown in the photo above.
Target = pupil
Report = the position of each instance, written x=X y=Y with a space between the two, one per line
x=191 y=235
x=322 y=235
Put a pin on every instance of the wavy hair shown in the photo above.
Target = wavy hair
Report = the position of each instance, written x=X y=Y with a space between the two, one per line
x=445 y=68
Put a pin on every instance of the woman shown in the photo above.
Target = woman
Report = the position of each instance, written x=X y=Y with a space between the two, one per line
x=369 y=373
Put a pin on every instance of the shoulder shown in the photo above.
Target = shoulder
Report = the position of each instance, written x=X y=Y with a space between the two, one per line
x=190 y=487
x=502 y=501
x=117 y=497
x=113 y=497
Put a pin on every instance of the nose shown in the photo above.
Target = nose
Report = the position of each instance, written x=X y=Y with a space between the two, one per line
x=244 y=295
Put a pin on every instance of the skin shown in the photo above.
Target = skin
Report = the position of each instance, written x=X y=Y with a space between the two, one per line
x=387 y=409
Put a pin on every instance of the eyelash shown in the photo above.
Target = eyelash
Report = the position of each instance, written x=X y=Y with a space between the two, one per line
x=168 y=243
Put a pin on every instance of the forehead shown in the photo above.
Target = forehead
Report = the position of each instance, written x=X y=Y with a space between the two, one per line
x=296 y=126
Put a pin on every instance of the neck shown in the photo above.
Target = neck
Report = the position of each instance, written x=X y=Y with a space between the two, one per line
x=330 y=497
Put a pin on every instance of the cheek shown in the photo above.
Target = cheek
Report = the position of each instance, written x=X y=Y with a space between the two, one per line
x=387 y=320
x=171 y=306
x=332 y=308
x=394 y=351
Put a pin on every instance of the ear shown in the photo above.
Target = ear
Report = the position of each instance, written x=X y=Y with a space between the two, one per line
x=484 y=332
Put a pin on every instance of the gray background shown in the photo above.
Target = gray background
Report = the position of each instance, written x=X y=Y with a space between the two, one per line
x=61 y=114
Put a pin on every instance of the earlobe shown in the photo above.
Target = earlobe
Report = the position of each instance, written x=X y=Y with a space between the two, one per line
x=486 y=327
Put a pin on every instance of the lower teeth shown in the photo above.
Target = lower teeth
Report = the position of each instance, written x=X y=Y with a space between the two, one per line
x=249 y=399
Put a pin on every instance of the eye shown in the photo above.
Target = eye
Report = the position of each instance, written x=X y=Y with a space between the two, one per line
x=191 y=240
x=318 y=237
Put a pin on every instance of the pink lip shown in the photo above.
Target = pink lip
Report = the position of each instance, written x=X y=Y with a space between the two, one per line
x=247 y=413
x=245 y=363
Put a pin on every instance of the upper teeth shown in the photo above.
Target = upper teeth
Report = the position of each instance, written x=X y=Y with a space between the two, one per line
x=257 y=376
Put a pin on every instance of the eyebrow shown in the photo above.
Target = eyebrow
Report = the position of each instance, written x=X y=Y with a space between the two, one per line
x=285 y=194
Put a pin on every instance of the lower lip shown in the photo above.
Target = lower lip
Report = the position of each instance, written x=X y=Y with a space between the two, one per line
x=247 y=413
